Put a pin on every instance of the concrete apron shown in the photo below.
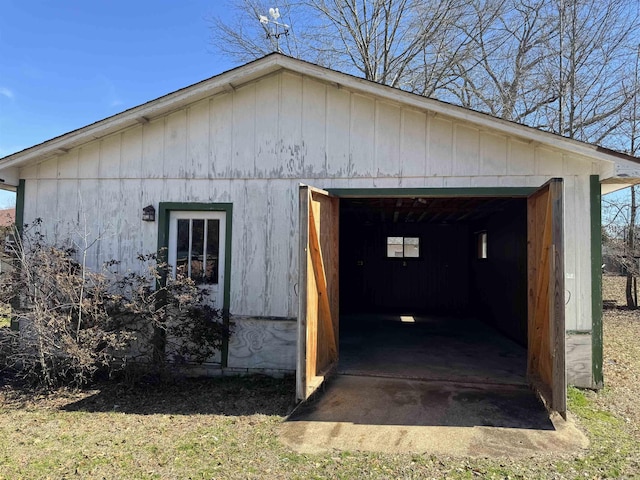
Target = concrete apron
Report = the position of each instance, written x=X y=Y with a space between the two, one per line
x=365 y=413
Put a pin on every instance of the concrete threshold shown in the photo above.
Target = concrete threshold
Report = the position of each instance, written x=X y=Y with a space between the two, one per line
x=391 y=415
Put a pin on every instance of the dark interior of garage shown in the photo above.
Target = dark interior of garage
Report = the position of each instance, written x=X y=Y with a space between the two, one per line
x=432 y=271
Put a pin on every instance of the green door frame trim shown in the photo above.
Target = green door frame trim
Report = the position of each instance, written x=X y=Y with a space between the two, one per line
x=164 y=210
x=432 y=192
x=20 y=206
x=19 y=225
x=595 y=200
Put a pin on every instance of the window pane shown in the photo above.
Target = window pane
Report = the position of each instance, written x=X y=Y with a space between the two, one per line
x=394 y=247
x=182 y=248
x=197 y=250
x=411 y=247
x=482 y=245
x=213 y=250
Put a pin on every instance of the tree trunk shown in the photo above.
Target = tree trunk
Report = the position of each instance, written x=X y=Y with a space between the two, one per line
x=629 y=290
x=631 y=301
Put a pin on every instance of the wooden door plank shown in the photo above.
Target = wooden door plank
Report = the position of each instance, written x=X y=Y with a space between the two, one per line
x=303 y=225
x=538 y=363
x=546 y=362
x=326 y=322
x=318 y=308
x=542 y=321
x=559 y=381
x=323 y=247
x=312 y=325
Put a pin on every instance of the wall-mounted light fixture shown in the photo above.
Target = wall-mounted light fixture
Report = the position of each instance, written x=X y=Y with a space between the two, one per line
x=149 y=214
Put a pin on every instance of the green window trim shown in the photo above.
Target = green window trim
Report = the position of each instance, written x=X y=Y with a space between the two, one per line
x=164 y=211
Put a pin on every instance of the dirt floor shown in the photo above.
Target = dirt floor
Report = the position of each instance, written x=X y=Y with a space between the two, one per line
x=227 y=428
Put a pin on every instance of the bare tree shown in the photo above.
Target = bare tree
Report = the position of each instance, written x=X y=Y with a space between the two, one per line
x=562 y=67
x=620 y=214
x=242 y=37
x=594 y=58
x=559 y=65
x=508 y=44
x=409 y=44
x=620 y=211
x=387 y=41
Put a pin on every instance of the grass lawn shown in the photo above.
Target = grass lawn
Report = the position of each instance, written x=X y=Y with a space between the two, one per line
x=227 y=428
x=5 y=316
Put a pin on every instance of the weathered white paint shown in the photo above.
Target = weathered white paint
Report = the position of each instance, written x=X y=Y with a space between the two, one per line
x=131 y=161
x=10 y=176
x=387 y=140
x=466 y=148
x=493 y=154
x=152 y=149
x=578 y=359
x=626 y=170
x=413 y=143
x=262 y=344
x=89 y=160
x=197 y=142
x=220 y=134
x=340 y=160
x=252 y=147
x=312 y=109
x=441 y=147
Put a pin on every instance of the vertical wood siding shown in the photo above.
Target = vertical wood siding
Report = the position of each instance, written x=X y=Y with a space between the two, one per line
x=253 y=146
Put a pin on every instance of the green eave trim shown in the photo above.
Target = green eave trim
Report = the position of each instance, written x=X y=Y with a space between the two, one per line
x=433 y=192
x=164 y=209
x=596 y=279
x=20 y=206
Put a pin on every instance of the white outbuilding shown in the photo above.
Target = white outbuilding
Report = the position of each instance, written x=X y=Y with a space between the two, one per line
x=308 y=197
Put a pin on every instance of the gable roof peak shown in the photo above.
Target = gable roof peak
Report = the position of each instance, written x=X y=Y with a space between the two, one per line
x=273 y=62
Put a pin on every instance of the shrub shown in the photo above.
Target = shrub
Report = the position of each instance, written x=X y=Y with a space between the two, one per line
x=76 y=323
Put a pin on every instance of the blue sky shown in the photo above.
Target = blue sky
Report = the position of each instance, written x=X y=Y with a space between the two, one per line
x=65 y=64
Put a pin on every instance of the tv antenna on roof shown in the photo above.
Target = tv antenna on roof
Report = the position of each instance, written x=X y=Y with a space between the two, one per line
x=273 y=28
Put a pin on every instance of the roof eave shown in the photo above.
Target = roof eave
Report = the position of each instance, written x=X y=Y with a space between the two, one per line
x=235 y=78
x=227 y=81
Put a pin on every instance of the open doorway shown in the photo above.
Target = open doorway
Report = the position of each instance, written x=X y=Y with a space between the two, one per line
x=446 y=269
x=434 y=288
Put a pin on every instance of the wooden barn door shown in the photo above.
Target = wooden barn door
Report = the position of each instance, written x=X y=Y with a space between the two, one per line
x=546 y=331
x=318 y=290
